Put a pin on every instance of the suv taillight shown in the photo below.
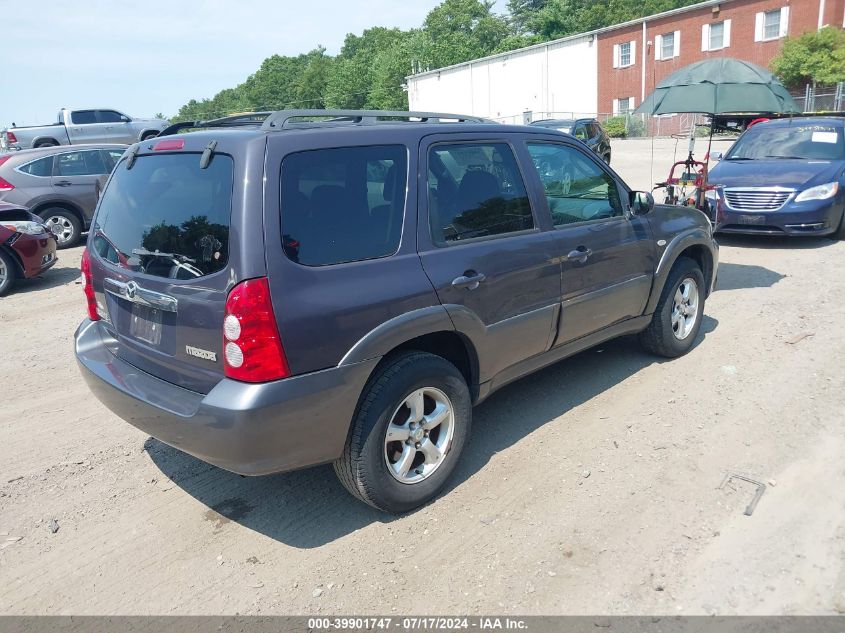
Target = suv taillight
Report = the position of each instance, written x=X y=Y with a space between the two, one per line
x=88 y=286
x=252 y=348
x=11 y=138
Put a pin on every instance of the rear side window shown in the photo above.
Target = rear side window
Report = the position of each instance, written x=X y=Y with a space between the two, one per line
x=343 y=204
x=109 y=116
x=89 y=163
x=81 y=117
x=475 y=190
x=166 y=216
x=42 y=167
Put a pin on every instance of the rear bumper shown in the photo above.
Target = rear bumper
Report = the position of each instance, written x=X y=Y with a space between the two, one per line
x=806 y=218
x=249 y=429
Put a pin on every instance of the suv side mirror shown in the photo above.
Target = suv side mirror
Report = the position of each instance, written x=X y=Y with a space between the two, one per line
x=641 y=202
x=715 y=155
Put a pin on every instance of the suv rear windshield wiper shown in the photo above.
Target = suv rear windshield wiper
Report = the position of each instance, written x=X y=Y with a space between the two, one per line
x=176 y=256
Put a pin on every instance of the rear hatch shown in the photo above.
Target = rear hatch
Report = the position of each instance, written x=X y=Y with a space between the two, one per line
x=160 y=258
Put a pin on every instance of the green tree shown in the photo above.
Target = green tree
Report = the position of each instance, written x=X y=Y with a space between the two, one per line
x=361 y=68
x=561 y=18
x=310 y=84
x=274 y=84
x=460 y=30
x=817 y=57
x=390 y=67
x=522 y=14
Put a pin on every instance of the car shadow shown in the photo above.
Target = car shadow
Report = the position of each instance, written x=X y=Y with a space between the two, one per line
x=309 y=508
x=740 y=276
x=773 y=242
x=48 y=279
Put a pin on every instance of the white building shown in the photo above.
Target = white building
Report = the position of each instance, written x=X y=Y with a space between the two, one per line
x=538 y=79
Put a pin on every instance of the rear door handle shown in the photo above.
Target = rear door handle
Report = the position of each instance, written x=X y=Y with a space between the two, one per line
x=469 y=280
x=64 y=183
x=580 y=254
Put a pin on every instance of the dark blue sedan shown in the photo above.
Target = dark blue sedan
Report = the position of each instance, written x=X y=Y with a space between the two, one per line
x=783 y=177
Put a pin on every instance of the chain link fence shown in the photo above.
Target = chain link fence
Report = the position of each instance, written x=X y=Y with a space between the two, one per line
x=817 y=98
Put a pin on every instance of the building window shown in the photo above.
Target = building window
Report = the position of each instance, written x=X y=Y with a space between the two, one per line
x=668 y=45
x=715 y=36
x=771 y=25
x=625 y=105
x=625 y=54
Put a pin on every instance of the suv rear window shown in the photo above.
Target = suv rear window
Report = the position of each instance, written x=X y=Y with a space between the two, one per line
x=343 y=204
x=166 y=216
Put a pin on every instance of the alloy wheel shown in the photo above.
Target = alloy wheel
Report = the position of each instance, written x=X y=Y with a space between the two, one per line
x=685 y=308
x=419 y=435
x=61 y=227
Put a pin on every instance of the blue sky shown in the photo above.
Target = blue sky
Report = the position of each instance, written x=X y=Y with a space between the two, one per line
x=150 y=56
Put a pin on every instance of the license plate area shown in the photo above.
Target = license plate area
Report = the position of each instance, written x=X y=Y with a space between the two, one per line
x=145 y=324
x=752 y=219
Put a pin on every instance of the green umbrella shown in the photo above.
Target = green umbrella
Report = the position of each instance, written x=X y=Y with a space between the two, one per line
x=719 y=86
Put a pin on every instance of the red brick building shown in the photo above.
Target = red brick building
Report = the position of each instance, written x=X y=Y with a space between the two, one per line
x=611 y=70
x=634 y=57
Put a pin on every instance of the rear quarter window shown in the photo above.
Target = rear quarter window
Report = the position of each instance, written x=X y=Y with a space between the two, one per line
x=42 y=167
x=343 y=204
x=166 y=216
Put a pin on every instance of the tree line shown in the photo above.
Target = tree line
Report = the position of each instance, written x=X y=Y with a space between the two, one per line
x=370 y=70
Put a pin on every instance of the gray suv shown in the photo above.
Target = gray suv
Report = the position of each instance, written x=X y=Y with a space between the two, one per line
x=344 y=286
x=58 y=184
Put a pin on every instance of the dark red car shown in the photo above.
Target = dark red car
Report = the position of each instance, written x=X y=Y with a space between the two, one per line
x=27 y=247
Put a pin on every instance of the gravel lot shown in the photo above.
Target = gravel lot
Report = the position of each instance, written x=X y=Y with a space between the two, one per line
x=592 y=487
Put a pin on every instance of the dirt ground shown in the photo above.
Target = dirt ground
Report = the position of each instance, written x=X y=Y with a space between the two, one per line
x=591 y=487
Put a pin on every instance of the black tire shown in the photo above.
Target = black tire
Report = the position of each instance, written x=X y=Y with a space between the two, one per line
x=363 y=468
x=659 y=337
x=8 y=272
x=46 y=144
x=148 y=135
x=68 y=222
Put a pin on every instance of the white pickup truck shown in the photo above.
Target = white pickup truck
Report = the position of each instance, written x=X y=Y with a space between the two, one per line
x=72 y=127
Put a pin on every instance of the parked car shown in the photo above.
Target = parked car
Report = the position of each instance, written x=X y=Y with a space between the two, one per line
x=27 y=247
x=344 y=291
x=58 y=184
x=75 y=127
x=783 y=177
x=589 y=131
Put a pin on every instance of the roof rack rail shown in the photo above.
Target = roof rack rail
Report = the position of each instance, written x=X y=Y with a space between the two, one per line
x=234 y=120
x=286 y=119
